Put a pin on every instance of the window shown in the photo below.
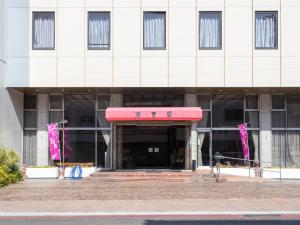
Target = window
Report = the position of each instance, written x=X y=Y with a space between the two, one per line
x=30 y=130
x=55 y=108
x=210 y=30
x=155 y=30
x=30 y=112
x=103 y=102
x=266 y=30
x=43 y=35
x=99 y=30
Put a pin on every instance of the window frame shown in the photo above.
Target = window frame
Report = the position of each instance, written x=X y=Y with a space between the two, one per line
x=220 y=13
x=165 y=33
x=34 y=13
x=276 y=31
x=30 y=110
x=88 y=31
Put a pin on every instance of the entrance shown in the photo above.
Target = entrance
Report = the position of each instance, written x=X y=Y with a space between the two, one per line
x=153 y=147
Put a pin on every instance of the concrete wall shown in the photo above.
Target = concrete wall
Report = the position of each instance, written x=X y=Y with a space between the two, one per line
x=182 y=64
x=11 y=101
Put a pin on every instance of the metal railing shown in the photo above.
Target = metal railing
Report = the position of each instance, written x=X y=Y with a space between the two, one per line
x=219 y=157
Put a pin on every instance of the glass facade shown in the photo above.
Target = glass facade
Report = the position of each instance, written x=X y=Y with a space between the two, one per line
x=218 y=130
x=286 y=130
x=87 y=134
x=30 y=130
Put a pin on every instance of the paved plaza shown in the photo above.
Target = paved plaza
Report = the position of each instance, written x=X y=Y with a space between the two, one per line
x=40 y=196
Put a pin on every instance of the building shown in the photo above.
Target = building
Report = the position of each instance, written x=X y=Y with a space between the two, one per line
x=239 y=60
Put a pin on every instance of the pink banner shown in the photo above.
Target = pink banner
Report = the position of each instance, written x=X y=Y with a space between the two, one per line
x=244 y=140
x=53 y=138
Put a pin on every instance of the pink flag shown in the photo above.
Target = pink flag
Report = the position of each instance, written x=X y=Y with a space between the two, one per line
x=54 y=141
x=244 y=140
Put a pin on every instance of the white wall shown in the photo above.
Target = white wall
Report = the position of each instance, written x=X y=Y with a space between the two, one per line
x=11 y=101
x=126 y=64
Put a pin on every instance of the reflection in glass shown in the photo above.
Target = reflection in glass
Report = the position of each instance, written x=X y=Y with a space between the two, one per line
x=79 y=146
x=205 y=122
x=103 y=146
x=80 y=110
x=203 y=149
x=228 y=110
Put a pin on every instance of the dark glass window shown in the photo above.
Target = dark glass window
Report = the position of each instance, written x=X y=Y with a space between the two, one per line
x=293 y=111
x=103 y=143
x=278 y=102
x=205 y=122
x=103 y=101
x=153 y=100
x=80 y=146
x=251 y=102
x=278 y=119
x=30 y=101
x=80 y=110
x=204 y=101
x=228 y=110
x=56 y=101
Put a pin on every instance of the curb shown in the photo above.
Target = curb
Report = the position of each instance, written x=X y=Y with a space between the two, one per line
x=219 y=214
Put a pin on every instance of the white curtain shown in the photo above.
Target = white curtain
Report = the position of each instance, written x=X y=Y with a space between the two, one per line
x=255 y=138
x=43 y=30
x=154 y=30
x=210 y=30
x=99 y=30
x=278 y=148
x=265 y=30
x=293 y=111
x=201 y=136
x=30 y=148
x=293 y=149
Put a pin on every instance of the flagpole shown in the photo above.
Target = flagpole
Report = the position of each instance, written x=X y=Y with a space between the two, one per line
x=62 y=156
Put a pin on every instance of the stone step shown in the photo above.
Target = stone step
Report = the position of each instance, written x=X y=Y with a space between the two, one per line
x=124 y=176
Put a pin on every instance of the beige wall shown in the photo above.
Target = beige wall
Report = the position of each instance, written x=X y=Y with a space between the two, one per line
x=238 y=64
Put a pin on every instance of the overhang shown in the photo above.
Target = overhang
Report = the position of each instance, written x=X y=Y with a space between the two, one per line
x=114 y=114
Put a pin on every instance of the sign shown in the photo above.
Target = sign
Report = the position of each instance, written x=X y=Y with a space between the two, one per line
x=53 y=139
x=113 y=114
x=244 y=140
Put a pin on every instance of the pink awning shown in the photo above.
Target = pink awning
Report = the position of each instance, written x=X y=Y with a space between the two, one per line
x=153 y=114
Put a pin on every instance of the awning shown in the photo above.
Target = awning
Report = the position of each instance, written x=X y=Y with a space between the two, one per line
x=153 y=114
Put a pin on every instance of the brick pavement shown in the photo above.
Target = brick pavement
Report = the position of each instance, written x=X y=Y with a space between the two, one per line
x=78 y=196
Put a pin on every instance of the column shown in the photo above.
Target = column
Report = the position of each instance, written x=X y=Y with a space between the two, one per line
x=42 y=134
x=117 y=159
x=194 y=137
x=191 y=135
x=265 y=130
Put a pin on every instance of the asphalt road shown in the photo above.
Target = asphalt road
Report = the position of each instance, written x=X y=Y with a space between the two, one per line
x=141 y=221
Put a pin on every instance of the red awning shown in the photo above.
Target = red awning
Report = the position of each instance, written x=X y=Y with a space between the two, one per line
x=153 y=114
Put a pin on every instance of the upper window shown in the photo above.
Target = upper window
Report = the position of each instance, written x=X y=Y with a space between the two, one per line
x=210 y=30
x=99 y=30
x=43 y=30
x=155 y=30
x=266 y=30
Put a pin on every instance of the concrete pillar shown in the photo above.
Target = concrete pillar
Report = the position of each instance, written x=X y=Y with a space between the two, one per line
x=194 y=137
x=265 y=130
x=42 y=134
x=11 y=120
x=191 y=134
x=117 y=159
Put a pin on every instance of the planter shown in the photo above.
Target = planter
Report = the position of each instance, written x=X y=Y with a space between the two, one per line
x=86 y=171
x=33 y=173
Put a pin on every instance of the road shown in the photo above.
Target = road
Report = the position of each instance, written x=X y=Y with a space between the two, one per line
x=144 y=220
